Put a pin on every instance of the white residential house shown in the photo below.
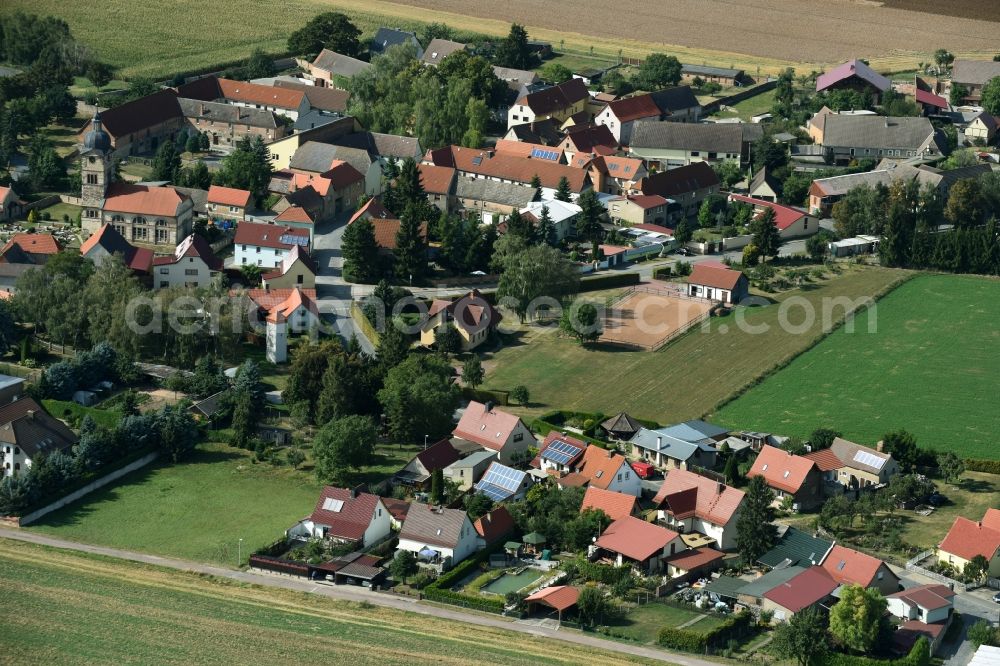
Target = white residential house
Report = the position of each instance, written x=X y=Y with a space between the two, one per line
x=688 y=502
x=562 y=214
x=436 y=534
x=608 y=471
x=495 y=430
x=266 y=245
x=559 y=453
x=346 y=516
x=924 y=603
x=26 y=431
x=193 y=264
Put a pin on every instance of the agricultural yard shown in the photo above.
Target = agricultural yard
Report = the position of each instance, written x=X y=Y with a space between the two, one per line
x=70 y=607
x=689 y=376
x=928 y=369
x=145 y=39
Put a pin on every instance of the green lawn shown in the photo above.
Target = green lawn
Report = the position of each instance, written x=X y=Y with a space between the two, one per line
x=930 y=368
x=748 y=108
x=197 y=509
x=687 y=378
x=56 y=211
x=65 y=607
x=71 y=411
x=643 y=623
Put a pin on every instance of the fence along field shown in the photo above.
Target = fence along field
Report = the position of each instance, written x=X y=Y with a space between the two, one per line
x=61 y=606
x=931 y=369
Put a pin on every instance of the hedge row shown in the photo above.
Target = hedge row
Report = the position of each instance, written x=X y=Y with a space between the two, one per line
x=609 y=281
x=988 y=466
x=497 y=397
x=920 y=655
x=736 y=627
x=487 y=604
x=361 y=321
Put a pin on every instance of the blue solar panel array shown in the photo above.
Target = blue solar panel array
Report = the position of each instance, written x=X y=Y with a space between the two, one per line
x=500 y=482
x=552 y=155
x=560 y=452
x=290 y=239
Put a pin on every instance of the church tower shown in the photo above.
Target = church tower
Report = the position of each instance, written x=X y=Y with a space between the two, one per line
x=95 y=174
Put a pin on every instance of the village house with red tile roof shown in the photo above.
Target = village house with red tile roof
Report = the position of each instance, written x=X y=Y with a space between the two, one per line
x=494 y=525
x=33 y=248
x=471 y=315
x=594 y=139
x=296 y=306
x=789 y=475
x=677 y=104
x=495 y=430
x=851 y=567
x=812 y=587
x=642 y=545
x=439 y=185
x=297 y=269
x=854 y=466
x=227 y=203
x=718 y=282
x=193 y=264
x=107 y=242
x=608 y=471
x=791 y=222
x=266 y=245
x=968 y=538
x=417 y=472
x=506 y=168
x=694 y=503
x=346 y=516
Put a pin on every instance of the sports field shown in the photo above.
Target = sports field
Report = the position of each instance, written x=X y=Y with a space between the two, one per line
x=688 y=377
x=931 y=368
x=64 y=607
x=159 y=39
x=649 y=315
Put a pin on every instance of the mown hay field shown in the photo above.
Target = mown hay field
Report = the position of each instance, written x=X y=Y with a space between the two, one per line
x=159 y=39
x=689 y=376
x=931 y=367
x=66 y=607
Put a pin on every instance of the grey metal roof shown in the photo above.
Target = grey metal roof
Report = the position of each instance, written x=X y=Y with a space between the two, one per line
x=796 y=547
x=706 y=70
x=902 y=133
x=519 y=75
x=769 y=581
x=695 y=430
x=493 y=191
x=339 y=64
x=659 y=442
x=709 y=137
x=726 y=586
x=383 y=145
x=678 y=98
x=888 y=172
x=474 y=459
x=386 y=38
x=439 y=49
x=974 y=72
x=317 y=157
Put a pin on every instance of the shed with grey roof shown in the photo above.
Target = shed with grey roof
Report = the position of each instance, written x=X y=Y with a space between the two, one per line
x=849 y=137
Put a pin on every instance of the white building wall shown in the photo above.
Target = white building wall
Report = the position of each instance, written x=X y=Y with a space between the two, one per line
x=626 y=481
x=13 y=461
x=189 y=272
x=380 y=526
x=255 y=255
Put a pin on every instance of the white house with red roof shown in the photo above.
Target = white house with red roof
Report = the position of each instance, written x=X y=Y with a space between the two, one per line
x=266 y=245
x=193 y=264
x=227 y=203
x=851 y=567
x=296 y=306
x=642 y=545
x=968 y=538
x=689 y=502
x=926 y=603
x=608 y=471
x=789 y=475
x=346 y=516
x=791 y=222
x=559 y=453
x=718 y=282
x=495 y=430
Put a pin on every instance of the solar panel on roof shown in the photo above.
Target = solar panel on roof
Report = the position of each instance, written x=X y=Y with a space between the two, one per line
x=290 y=239
x=504 y=477
x=870 y=459
x=560 y=452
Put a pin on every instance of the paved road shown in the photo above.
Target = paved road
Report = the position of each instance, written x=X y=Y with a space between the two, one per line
x=334 y=295
x=352 y=593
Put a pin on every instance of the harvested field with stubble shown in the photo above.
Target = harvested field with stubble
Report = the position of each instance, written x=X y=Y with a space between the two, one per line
x=66 y=607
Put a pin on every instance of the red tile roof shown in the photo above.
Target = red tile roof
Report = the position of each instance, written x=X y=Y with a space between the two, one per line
x=967 y=538
x=342 y=175
x=33 y=244
x=436 y=179
x=373 y=210
x=556 y=98
x=848 y=566
x=525 y=149
x=633 y=108
x=825 y=459
x=635 y=538
x=509 y=167
x=347 y=514
x=660 y=229
x=600 y=466
x=784 y=216
x=781 y=469
x=931 y=596
x=267 y=235
x=397 y=508
x=688 y=494
x=809 y=587
x=494 y=525
x=228 y=196
x=614 y=505
x=491 y=428
x=929 y=98
x=284 y=301
x=296 y=214
x=714 y=274
x=254 y=93
x=472 y=311
x=991 y=519
x=558 y=597
x=387 y=231
x=143 y=200
x=689 y=560
x=136 y=258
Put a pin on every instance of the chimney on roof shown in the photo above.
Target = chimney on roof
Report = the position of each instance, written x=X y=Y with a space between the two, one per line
x=204 y=110
x=659 y=441
x=722 y=487
x=488 y=407
x=31 y=413
x=879 y=446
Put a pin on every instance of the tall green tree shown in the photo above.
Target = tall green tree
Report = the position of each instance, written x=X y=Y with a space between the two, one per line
x=329 y=30
x=248 y=167
x=259 y=65
x=563 y=191
x=965 y=204
x=683 y=231
x=411 y=246
x=418 y=398
x=535 y=272
x=167 y=164
x=580 y=320
x=343 y=445
x=588 y=224
x=305 y=378
x=991 y=96
x=472 y=371
x=360 y=252
x=803 y=638
x=766 y=237
x=547 y=228
x=514 y=51
x=755 y=531
x=856 y=621
x=658 y=71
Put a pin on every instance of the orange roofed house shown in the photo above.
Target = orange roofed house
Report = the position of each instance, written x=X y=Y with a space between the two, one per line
x=32 y=249
x=227 y=203
x=644 y=545
x=789 y=475
x=297 y=307
x=495 y=430
x=968 y=538
x=689 y=502
x=718 y=282
x=266 y=245
x=614 y=505
x=471 y=315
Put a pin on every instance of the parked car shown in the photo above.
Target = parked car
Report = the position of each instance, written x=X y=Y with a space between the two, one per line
x=996 y=597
